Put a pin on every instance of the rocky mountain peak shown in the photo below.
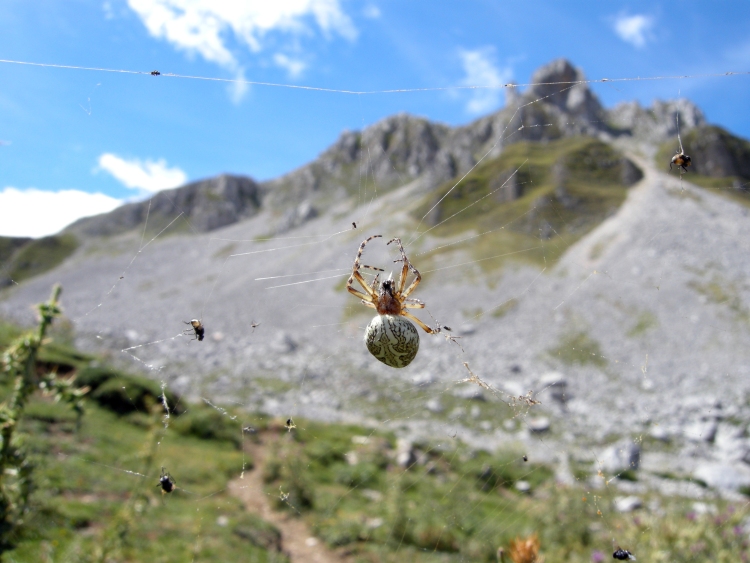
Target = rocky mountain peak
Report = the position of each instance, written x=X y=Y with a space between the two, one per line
x=207 y=204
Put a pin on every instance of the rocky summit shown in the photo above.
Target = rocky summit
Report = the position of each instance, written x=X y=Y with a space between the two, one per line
x=602 y=302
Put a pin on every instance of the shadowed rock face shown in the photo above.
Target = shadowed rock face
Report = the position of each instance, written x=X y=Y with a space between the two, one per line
x=206 y=204
x=718 y=153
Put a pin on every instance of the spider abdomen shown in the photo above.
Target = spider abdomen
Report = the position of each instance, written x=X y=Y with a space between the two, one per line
x=392 y=339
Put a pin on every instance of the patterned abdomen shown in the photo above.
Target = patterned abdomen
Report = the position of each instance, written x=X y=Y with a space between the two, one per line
x=392 y=339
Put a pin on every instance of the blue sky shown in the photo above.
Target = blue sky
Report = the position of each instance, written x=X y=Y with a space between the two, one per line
x=75 y=142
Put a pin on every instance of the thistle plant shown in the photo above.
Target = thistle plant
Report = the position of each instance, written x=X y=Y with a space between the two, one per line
x=19 y=365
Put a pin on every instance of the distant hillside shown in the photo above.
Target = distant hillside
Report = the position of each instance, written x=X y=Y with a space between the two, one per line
x=399 y=150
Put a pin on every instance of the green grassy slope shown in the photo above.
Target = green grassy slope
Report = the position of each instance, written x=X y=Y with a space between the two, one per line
x=535 y=199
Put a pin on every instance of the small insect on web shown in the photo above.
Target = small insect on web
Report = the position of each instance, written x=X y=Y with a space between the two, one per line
x=166 y=482
x=681 y=160
x=623 y=555
x=198 y=330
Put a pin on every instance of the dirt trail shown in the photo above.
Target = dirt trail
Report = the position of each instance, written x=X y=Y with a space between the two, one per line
x=297 y=540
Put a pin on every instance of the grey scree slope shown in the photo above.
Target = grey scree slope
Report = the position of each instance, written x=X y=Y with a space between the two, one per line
x=667 y=240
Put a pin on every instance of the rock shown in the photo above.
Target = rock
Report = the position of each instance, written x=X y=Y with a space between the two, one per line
x=620 y=457
x=556 y=384
x=538 y=424
x=207 y=204
x=657 y=123
x=723 y=476
x=283 y=343
x=434 y=405
x=372 y=494
x=523 y=486
x=424 y=379
x=404 y=453
x=659 y=433
x=701 y=431
x=469 y=391
x=627 y=504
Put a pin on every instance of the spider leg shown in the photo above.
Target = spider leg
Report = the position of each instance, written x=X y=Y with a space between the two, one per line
x=416 y=320
x=414 y=282
x=356 y=275
x=412 y=304
x=369 y=304
x=405 y=260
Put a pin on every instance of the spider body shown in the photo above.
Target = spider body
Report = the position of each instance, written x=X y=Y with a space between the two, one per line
x=623 y=555
x=165 y=482
x=390 y=337
x=198 y=330
x=681 y=160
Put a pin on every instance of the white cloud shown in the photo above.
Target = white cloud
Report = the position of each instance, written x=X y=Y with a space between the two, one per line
x=38 y=213
x=481 y=70
x=202 y=26
x=371 y=11
x=148 y=175
x=294 y=67
x=634 y=29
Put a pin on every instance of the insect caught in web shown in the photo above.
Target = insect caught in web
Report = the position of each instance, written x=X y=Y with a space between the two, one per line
x=166 y=482
x=290 y=425
x=681 y=160
x=253 y=325
x=197 y=329
x=155 y=73
x=390 y=337
x=623 y=555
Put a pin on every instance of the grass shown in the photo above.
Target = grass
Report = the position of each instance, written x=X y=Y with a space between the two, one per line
x=579 y=348
x=39 y=256
x=559 y=192
x=94 y=485
x=457 y=505
x=719 y=291
x=646 y=321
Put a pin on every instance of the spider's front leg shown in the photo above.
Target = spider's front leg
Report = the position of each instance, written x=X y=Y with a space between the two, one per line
x=405 y=268
x=371 y=293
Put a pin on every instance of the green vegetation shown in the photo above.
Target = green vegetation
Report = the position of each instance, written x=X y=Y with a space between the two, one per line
x=579 y=348
x=646 y=321
x=723 y=292
x=39 y=256
x=8 y=245
x=84 y=488
x=453 y=504
x=533 y=201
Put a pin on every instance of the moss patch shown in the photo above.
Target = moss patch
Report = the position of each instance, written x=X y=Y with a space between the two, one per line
x=579 y=348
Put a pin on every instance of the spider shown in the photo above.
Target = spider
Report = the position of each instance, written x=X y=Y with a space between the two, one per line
x=165 y=482
x=155 y=73
x=198 y=329
x=390 y=337
x=623 y=555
